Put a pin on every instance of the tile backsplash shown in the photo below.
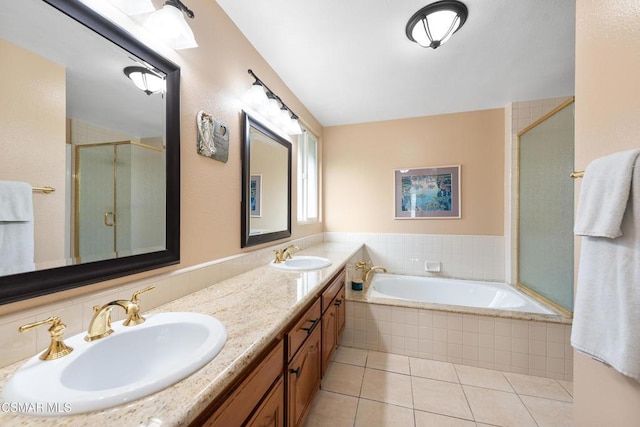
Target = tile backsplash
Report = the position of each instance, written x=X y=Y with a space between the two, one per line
x=468 y=257
x=460 y=256
x=76 y=313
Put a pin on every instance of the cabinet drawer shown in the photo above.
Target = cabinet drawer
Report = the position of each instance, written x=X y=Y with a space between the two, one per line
x=237 y=408
x=303 y=379
x=305 y=326
x=330 y=293
x=271 y=412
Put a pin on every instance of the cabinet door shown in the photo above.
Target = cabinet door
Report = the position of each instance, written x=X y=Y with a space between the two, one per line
x=271 y=412
x=303 y=379
x=240 y=404
x=329 y=328
x=340 y=315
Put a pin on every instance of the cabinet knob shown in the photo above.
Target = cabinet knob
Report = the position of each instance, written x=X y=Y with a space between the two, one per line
x=338 y=303
x=295 y=371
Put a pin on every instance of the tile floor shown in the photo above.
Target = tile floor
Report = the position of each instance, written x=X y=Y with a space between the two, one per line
x=368 y=388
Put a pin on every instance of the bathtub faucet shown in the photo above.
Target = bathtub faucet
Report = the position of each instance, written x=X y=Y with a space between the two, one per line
x=368 y=274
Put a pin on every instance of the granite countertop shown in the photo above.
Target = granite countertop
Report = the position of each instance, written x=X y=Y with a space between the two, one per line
x=254 y=306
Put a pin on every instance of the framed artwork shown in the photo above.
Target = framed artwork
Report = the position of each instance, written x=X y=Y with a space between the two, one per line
x=427 y=193
x=255 y=195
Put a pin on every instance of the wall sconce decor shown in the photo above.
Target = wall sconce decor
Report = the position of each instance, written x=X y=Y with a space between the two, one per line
x=434 y=24
x=169 y=25
x=261 y=98
x=145 y=80
x=213 y=137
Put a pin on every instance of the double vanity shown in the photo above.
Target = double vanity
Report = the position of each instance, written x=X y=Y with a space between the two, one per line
x=282 y=324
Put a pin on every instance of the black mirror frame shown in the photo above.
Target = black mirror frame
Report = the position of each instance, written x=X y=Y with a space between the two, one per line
x=37 y=283
x=246 y=239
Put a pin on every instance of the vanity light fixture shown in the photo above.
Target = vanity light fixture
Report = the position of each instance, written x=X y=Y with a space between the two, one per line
x=169 y=25
x=261 y=98
x=435 y=23
x=145 y=79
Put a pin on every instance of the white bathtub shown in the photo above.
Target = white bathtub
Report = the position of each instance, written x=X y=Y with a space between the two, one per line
x=453 y=292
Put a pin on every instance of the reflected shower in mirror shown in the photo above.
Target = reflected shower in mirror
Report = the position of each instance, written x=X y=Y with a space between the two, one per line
x=266 y=184
x=75 y=119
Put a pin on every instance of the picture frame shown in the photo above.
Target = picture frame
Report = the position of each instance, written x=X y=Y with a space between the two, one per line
x=255 y=195
x=427 y=193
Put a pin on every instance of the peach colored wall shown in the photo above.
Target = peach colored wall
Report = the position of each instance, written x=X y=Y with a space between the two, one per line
x=607 y=110
x=32 y=141
x=213 y=78
x=359 y=161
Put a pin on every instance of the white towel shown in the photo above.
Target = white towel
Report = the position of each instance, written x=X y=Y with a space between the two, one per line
x=604 y=194
x=16 y=228
x=606 y=321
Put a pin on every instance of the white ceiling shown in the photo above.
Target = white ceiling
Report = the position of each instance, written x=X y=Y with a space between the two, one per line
x=349 y=61
x=97 y=90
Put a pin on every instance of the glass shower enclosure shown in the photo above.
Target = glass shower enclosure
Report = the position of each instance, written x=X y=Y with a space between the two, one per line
x=118 y=200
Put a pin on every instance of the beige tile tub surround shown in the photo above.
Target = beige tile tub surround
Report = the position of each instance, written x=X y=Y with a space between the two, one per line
x=254 y=307
x=424 y=397
x=523 y=345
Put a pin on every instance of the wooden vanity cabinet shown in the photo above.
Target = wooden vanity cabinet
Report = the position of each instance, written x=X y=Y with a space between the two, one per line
x=333 y=318
x=278 y=389
x=303 y=378
x=261 y=393
x=303 y=363
x=271 y=412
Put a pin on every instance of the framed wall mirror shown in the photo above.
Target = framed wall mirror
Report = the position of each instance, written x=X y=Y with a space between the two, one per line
x=73 y=119
x=266 y=184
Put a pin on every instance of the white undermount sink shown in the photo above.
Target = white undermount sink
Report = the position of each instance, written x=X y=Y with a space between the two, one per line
x=131 y=363
x=302 y=262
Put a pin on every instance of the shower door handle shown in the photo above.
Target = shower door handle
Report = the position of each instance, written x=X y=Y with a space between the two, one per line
x=106 y=219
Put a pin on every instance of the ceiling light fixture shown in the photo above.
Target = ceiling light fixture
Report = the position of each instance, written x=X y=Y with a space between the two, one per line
x=145 y=79
x=266 y=102
x=434 y=24
x=169 y=25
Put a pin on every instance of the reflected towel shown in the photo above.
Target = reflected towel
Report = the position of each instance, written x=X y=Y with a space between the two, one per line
x=606 y=318
x=16 y=228
x=604 y=195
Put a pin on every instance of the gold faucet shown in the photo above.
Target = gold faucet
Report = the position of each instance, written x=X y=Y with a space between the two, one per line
x=100 y=324
x=368 y=270
x=57 y=347
x=281 y=255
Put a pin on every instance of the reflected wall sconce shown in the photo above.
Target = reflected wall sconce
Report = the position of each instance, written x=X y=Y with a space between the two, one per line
x=267 y=103
x=169 y=25
x=434 y=24
x=145 y=80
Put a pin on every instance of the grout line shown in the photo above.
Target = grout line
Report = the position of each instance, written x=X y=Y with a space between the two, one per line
x=411 y=376
x=467 y=400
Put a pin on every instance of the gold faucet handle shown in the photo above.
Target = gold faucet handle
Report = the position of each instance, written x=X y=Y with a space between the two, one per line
x=279 y=256
x=133 y=314
x=287 y=252
x=134 y=298
x=57 y=347
x=363 y=265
